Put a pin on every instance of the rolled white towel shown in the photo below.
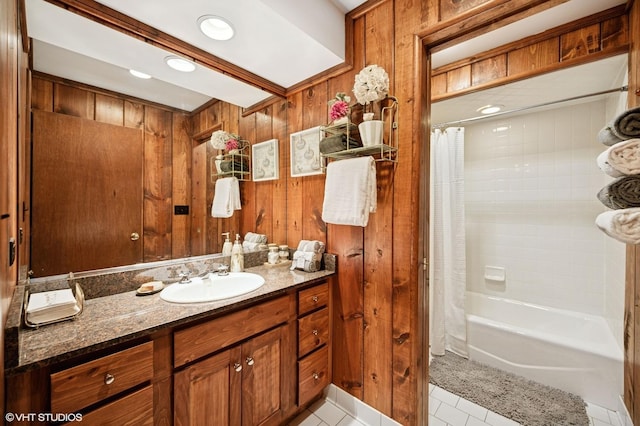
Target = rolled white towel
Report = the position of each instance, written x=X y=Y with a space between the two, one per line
x=255 y=238
x=622 y=225
x=621 y=159
x=251 y=246
x=314 y=246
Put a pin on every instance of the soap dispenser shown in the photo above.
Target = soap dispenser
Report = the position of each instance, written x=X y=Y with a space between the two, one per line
x=237 y=256
x=226 y=247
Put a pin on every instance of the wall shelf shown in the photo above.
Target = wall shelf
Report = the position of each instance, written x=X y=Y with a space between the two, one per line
x=231 y=165
x=384 y=152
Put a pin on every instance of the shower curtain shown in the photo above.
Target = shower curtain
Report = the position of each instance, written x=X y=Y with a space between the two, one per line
x=447 y=272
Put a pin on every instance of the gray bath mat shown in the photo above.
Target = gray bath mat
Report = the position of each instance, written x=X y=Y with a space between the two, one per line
x=524 y=401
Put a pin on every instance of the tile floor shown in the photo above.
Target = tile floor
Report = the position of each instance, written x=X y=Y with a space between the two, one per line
x=445 y=409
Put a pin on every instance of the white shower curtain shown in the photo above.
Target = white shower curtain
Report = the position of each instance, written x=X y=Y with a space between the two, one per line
x=447 y=260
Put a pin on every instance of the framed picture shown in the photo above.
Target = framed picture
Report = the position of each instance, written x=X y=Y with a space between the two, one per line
x=265 y=160
x=305 y=153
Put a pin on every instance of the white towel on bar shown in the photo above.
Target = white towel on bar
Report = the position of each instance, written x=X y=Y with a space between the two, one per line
x=226 y=197
x=622 y=225
x=621 y=159
x=350 y=192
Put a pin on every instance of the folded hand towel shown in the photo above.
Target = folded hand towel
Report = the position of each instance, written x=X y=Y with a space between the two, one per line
x=306 y=261
x=311 y=246
x=624 y=126
x=227 y=166
x=51 y=305
x=338 y=143
x=621 y=193
x=350 y=191
x=226 y=197
x=623 y=225
x=621 y=159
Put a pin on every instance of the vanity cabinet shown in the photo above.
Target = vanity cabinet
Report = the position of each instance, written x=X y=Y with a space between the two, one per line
x=241 y=374
x=239 y=386
x=313 y=341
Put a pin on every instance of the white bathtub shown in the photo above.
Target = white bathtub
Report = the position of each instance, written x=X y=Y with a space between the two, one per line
x=571 y=351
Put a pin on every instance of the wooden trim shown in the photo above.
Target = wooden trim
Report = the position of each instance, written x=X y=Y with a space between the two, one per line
x=22 y=22
x=461 y=83
x=203 y=135
x=489 y=16
x=261 y=105
x=527 y=41
x=523 y=76
x=115 y=20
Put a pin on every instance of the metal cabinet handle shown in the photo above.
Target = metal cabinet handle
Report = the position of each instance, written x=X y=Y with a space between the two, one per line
x=316 y=376
x=249 y=360
x=238 y=367
x=135 y=236
x=315 y=299
x=314 y=332
x=109 y=378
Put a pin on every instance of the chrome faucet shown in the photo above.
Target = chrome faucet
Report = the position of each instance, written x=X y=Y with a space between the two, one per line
x=223 y=270
x=184 y=278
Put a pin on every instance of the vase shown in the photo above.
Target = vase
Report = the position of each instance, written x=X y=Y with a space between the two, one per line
x=371 y=132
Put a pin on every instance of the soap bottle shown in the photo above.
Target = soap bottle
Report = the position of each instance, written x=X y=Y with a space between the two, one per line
x=226 y=247
x=237 y=256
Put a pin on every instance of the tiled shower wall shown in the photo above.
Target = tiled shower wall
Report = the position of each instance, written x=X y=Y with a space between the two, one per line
x=530 y=205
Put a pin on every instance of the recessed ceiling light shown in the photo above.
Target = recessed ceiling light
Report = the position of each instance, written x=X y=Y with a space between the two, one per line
x=216 y=27
x=489 y=109
x=139 y=74
x=180 y=64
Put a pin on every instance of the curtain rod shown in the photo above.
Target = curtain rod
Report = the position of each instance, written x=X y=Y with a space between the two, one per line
x=482 y=117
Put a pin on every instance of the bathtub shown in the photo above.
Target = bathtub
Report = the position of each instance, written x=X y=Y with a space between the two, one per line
x=571 y=351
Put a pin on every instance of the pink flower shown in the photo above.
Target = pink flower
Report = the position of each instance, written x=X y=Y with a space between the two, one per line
x=338 y=109
x=232 y=144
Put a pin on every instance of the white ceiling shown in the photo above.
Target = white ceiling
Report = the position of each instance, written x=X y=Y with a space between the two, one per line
x=278 y=40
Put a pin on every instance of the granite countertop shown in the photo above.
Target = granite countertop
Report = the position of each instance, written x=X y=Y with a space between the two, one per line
x=117 y=318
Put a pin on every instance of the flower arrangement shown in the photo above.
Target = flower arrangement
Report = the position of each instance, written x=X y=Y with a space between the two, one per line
x=225 y=140
x=339 y=106
x=371 y=84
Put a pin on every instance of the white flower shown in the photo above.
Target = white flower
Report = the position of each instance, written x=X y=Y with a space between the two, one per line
x=371 y=84
x=219 y=139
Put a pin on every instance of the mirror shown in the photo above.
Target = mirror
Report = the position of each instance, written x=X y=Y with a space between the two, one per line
x=161 y=138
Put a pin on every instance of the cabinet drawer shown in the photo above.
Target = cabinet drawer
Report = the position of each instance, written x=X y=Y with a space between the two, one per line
x=93 y=381
x=313 y=375
x=135 y=409
x=313 y=298
x=203 y=339
x=313 y=331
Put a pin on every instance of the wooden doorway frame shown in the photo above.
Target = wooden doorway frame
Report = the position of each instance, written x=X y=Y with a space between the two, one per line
x=465 y=28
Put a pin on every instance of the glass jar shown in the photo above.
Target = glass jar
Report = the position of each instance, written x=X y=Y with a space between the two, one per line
x=284 y=253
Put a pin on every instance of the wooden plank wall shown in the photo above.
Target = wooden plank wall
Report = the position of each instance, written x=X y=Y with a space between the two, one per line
x=166 y=157
x=586 y=40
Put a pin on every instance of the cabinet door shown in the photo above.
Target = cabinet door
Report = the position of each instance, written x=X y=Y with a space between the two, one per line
x=264 y=359
x=208 y=392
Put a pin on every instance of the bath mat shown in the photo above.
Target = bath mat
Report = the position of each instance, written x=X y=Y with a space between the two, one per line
x=524 y=401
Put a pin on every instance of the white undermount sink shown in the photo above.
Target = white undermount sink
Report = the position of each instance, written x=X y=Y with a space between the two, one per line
x=212 y=287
